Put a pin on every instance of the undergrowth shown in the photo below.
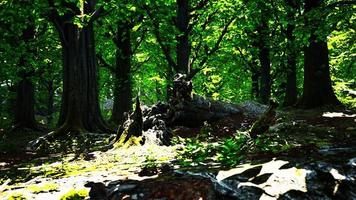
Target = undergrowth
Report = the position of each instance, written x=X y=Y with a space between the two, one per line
x=228 y=151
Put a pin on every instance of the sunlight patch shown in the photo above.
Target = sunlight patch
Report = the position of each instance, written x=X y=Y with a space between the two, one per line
x=272 y=166
x=285 y=180
x=226 y=174
x=337 y=114
x=337 y=175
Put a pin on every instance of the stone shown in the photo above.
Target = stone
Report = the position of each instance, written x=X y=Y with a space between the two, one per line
x=97 y=191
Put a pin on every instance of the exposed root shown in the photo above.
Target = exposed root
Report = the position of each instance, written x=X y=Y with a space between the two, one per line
x=43 y=142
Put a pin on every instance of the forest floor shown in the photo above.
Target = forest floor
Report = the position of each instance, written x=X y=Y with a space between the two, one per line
x=298 y=140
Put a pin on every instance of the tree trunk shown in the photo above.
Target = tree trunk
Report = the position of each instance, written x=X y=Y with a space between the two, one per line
x=122 y=87
x=169 y=86
x=50 y=100
x=291 y=69
x=25 y=93
x=183 y=46
x=80 y=105
x=255 y=75
x=25 y=105
x=317 y=90
x=264 y=57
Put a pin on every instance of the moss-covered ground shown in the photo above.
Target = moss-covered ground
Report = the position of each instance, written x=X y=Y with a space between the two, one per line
x=62 y=174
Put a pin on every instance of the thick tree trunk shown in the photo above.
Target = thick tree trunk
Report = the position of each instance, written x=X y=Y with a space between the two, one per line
x=50 y=101
x=169 y=86
x=25 y=93
x=122 y=87
x=25 y=105
x=80 y=105
x=291 y=68
x=264 y=57
x=291 y=85
x=255 y=75
x=183 y=46
x=261 y=43
x=317 y=90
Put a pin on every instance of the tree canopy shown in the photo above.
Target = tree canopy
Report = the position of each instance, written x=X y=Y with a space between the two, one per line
x=232 y=50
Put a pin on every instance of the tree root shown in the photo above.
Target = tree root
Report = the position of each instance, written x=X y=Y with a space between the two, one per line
x=43 y=141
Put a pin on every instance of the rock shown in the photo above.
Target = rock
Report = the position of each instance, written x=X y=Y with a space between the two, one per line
x=294 y=195
x=352 y=162
x=276 y=179
x=97 y=191
x=249 y=192
x=252 y=109
x=165 y=187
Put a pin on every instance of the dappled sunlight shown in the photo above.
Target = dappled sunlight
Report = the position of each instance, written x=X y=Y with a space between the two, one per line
x=285 y=180
x=279 y=182
x=58 y=178
x=177 y=100
x=272 y=166
x=268 y=167
x=338 y=114
x=237 y=170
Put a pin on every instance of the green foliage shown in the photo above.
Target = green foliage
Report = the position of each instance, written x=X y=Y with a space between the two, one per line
x=151 y=161
x=271 y=144
x=75 y=195
x=229 y=151
x=232 y=150
x=346 y=92
x=225 y=74
x=195 y=152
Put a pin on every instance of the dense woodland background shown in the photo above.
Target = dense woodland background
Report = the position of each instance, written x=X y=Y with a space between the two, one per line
x=77 y=65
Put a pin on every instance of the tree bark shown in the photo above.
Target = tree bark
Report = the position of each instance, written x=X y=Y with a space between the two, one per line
x=25 y=105
x=264 y=57
x=50 y=100
x=255 y=75
x=291 y=68
x=80 y=104
x=183 y=46
x=317 y=90
x=25 y=93
x=122 y=87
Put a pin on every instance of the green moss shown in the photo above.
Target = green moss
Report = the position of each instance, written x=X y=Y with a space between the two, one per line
x=16 y=196
x=132 y=141
x=45 y=187
x=75 y=195
x=321 y=143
